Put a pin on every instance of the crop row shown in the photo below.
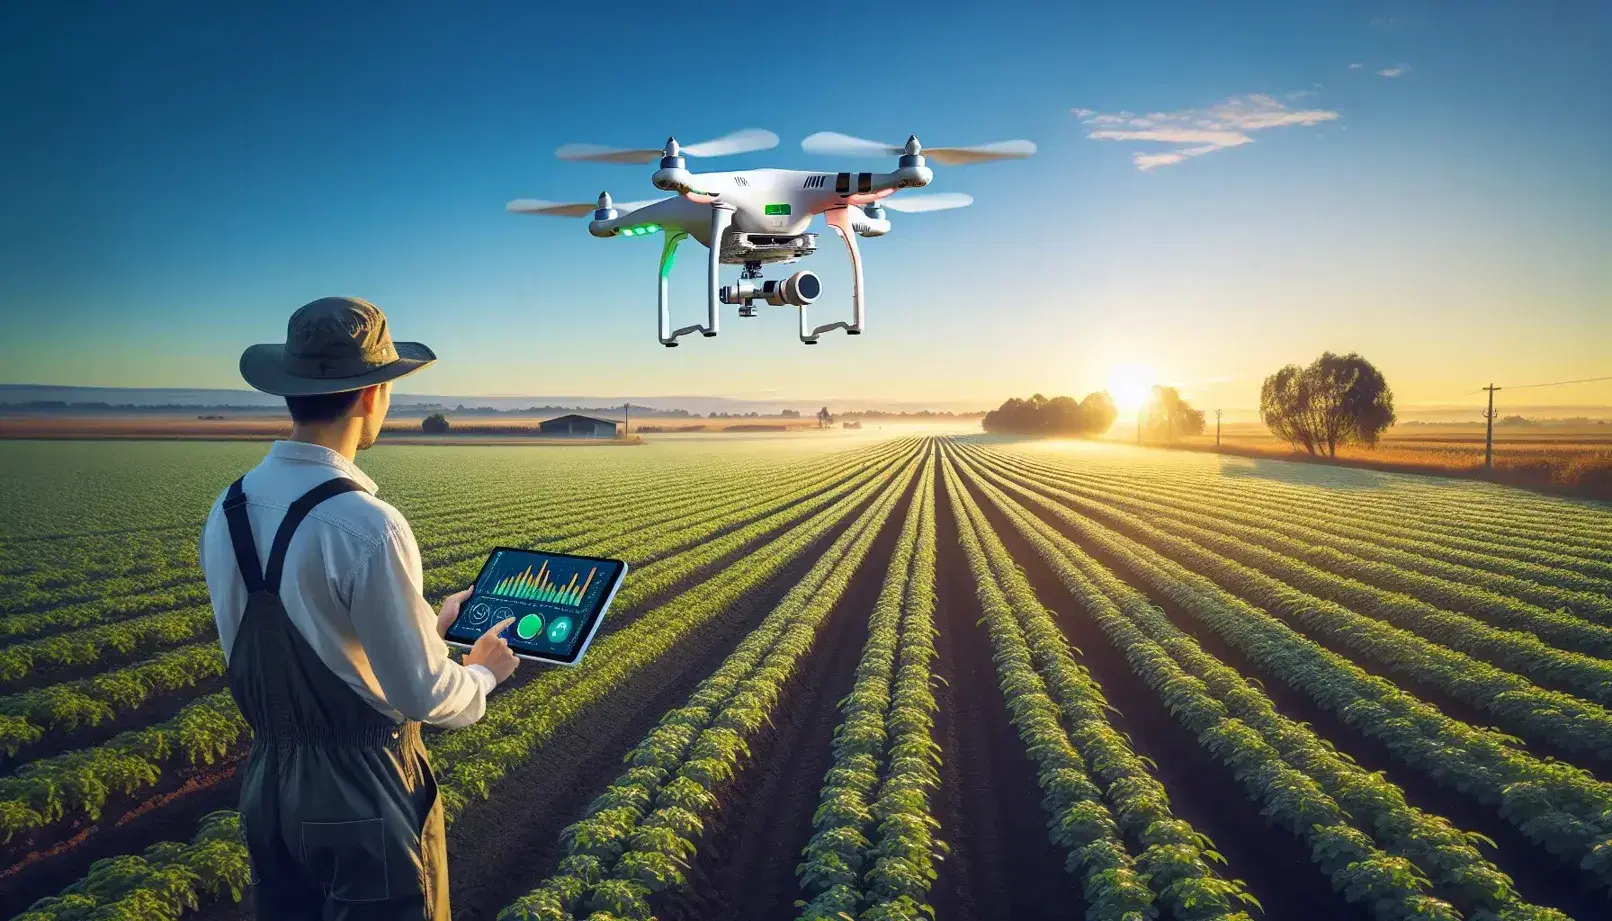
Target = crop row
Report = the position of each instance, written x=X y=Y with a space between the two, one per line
x=442 y=527
x=169 y=879
x=89 y=645
x=636 y=838
x=1502 y=509
x=142 y=561
x=1171 y=662
x=873 y=846
x=44 y=792
x=1098 y=793
x=421 y=496
x=1560 y=807
x=25 y=717
x=519 y=720
x=1393 y=593
x=1529 y=537
x=1534 y=712
x=460 y=535
x=1541 y=587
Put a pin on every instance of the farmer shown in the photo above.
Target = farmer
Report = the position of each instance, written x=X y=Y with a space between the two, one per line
x=334 y=656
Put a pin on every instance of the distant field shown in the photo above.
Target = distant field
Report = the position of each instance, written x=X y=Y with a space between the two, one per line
x=881 y=676
x=252 y=426
x=1573 y=457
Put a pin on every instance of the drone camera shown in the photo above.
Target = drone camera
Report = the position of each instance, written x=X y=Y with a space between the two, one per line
x=797 y=290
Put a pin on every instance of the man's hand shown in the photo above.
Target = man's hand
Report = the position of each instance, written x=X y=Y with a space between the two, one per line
x=450 y=611
x=492 y=652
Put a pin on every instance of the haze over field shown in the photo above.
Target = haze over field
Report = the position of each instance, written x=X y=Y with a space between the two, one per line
x=1219 y=190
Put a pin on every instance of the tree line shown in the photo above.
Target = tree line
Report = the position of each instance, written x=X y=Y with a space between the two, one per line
x=1335 y=400
x=1056 y=416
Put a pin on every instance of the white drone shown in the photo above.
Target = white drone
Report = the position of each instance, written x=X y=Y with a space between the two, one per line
x=760 y=216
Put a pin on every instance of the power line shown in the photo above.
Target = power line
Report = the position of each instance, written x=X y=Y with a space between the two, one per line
x=1587 y=380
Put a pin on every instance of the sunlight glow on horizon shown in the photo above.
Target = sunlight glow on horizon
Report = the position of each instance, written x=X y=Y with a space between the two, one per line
x=1130 y=385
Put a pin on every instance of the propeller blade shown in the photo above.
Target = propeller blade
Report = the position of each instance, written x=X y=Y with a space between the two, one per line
x=982 y=153
x=573 y=209
x=939 y=201
x=834 y=144
x=747 y=141
x=556 y=208
x=593 y=153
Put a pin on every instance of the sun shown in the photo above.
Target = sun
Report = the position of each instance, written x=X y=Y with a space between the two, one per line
x=1130 y=385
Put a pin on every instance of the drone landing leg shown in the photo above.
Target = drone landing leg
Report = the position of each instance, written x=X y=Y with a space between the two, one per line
x=720 y=219
x=668 y=257
x=840 y=220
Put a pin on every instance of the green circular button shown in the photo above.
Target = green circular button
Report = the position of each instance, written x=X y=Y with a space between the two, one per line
x=529 y=626
x=559 y=629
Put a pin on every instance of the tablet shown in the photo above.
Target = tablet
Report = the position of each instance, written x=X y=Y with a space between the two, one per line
x=558 y=602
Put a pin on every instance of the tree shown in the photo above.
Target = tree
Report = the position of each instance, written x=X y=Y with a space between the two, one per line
x=824 y=418
x=435 y=424
x=1097 y=412
x=1058 y=416
x=1168 y=417
x=1336 y=400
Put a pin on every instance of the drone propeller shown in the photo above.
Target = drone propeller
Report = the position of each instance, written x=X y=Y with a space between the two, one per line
x=832 y=143
x=746 y=141
x=574 y=209
x=939 y=201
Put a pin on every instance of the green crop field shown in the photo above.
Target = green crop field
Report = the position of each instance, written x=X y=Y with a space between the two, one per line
x=865 y=677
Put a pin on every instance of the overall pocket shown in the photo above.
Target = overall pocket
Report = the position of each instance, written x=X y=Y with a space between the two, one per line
x=348 y=858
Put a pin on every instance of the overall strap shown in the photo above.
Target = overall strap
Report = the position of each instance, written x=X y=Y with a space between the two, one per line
x=240 y=534
x=293 y=517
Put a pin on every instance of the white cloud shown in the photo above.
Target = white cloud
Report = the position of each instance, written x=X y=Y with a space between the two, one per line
x=1356 y=65
x=1195 y=132
x=1396 y=71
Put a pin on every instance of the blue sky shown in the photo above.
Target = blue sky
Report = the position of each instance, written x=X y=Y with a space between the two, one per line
x=178 y=177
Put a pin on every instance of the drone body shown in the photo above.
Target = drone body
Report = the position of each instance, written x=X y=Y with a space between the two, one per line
x=760 y=217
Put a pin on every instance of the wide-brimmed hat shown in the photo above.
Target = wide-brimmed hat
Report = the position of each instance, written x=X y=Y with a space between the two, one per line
x=332 y=345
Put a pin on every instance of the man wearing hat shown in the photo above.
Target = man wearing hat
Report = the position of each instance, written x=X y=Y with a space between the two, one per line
x=333 y=654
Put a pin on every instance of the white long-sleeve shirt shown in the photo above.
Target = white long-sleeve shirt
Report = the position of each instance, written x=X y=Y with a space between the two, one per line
x=351 y=586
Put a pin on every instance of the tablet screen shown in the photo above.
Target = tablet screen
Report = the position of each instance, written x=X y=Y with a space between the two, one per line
x=557 y=601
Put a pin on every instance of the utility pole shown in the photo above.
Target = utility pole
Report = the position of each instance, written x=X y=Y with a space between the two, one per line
x=1217 y=430
x=1488 y=429
x=626 y=419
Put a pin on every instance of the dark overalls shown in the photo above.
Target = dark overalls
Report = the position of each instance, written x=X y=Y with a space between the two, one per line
x=338 y=802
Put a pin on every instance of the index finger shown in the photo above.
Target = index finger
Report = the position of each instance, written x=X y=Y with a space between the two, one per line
x=498 y=628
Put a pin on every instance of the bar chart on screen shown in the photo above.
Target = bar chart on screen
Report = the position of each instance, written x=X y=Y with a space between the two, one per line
x=544 y=584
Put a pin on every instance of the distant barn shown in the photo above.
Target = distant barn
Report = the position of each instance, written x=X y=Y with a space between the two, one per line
x=576 y=426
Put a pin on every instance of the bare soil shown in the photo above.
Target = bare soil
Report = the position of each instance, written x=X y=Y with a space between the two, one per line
x=1002 y=865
